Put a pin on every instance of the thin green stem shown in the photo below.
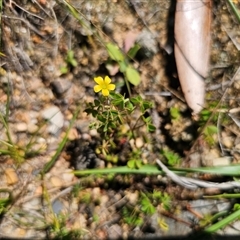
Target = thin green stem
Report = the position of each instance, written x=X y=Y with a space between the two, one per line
x=234 y=9
x=224 y=195
x=224 y=222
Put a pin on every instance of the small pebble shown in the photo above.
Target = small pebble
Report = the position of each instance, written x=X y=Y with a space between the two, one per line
x=57 y=206
x=11 y=176
x=73 y=134
x=209 y=156
x=56 y=181
x=80 y=222
x=32 y=204
x=114 y=232
x=55 y=117
x=20 y=232
x=139 y=143
x=132 y=197
x=67 y=177
x=39 y=190
x=96 y=193
x=104 y=199
x=60 y=87
x=227 y=142
x=93 y=132
x=21 y=127
x=222 y=161
x=32 y=128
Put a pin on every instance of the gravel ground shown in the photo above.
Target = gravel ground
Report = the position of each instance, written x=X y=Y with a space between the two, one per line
x=36 y=37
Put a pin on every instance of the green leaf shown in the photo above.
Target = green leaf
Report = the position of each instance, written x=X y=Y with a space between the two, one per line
x=118 y=100
x=174 y=112
x=96 y=102
x=92 y=125
x=209 y=133
x=133 y=51
x=147 y=119
x=129 y=107
x=122 y=66
x=101 y=118
x=151 y=128
x=112 y=125
x=231 y=170
x=138 y=221
x=157 y=195
x=147 y=206
x=172 y=158
x=147 y=105
x=236 y=207
x=131 y=164
x=132 y=76
x=136 y=100
x=114 y=52
x=70 y=58
x=114 y=113
x=105 y=127
x=91 y=111
x=211 y=129
x=64 y=70
x=138 y=164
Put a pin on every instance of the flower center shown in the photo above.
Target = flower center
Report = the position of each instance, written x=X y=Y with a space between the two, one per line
x=104 y=86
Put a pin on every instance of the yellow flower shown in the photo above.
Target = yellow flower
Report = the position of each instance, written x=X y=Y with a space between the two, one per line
x=103 y=85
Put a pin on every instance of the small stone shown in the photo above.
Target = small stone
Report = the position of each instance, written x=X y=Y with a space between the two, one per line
x=59 y=165
x=68 y=177
x=20 y=232
x=31 y=187
x=73 y=134
x=102 y=164
x=80 y=222
x=104 y=199
x=57 y=206
x=86 y=136
x=55 y=117
x=227 y=142
x=132 y=197
x=35 y=202
x=39 y=190
x=56 y=181
x=11 y=176
x=139 y=143
x=132 y=143
x=208 y=156
x=32 y=204
x=93 y=132
x=96 y=193
x=32 y=128
x=237 y=146
x=21 y=127
x=60 y=87
x=148 y=43
x=114 y=232
x=101 y=234
x=222 y=161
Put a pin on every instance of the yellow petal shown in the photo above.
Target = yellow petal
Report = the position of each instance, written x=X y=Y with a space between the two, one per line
x=97 y=88
x=107 y=80
x=105 y=92
x=98 y=80
x=111 y=87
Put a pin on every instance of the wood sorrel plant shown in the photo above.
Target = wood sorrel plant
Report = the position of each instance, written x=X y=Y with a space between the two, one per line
x=113 y=111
